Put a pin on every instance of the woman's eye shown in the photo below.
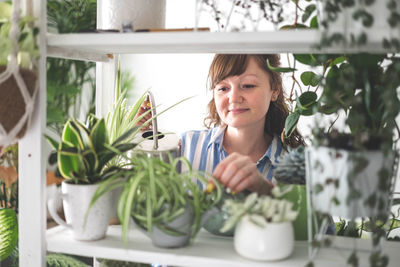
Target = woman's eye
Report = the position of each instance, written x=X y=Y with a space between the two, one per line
x=222 y=89
x=248 y=86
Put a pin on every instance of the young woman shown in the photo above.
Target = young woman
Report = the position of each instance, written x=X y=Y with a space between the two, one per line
x=245 y=121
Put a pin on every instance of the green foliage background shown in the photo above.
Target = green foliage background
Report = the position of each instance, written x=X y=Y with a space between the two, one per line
x=67 y=79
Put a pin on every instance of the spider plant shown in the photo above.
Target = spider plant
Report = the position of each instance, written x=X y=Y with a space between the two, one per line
x=155 y=193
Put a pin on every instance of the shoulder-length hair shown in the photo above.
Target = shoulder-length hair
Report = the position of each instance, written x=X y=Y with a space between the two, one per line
x=225 y=65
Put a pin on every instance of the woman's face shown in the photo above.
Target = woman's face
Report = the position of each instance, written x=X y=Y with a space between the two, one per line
x=243 y=101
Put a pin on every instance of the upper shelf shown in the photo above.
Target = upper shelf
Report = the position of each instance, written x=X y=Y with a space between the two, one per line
x=96 y=46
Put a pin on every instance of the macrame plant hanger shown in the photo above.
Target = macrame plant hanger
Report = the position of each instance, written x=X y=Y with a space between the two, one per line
x=12 y=74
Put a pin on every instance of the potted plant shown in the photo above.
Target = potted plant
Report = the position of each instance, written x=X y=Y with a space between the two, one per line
x=83 y=155
x=18 y=75
x=351 y=170
x=166 y=204
x=263 y=225
x=291 y=169
x=352 y=173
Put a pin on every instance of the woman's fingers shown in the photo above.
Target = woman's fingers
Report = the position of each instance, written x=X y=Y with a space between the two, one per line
x=239 y=172
x=144 y=107
x=226 y=168
x=234 y=170
x=243 y=175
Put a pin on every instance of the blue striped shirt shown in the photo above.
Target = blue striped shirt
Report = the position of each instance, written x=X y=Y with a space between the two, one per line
x=204 y=150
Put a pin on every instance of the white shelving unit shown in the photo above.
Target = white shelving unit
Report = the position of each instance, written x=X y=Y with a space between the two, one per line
x=207 y=250
x=97 y=45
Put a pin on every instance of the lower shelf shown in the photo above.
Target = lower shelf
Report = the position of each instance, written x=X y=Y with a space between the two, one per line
x=206 y=250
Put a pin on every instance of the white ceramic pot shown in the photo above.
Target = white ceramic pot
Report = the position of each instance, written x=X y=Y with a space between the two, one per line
x=51 y=192
x=143 y=14
x=274 y=242
x=332 y=168
x=76 y=200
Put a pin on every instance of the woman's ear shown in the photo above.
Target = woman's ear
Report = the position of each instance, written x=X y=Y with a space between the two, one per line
x=275 y=94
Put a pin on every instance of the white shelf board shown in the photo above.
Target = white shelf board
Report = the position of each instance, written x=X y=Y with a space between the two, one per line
x=296 y=41
x=206 y=250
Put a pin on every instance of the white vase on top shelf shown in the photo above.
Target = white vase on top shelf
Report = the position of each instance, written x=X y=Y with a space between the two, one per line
x=141 y=14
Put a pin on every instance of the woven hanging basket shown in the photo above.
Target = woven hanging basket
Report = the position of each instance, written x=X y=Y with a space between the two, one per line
x=12 y=104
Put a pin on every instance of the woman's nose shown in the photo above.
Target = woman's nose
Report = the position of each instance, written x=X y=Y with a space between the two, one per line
x=235 y=94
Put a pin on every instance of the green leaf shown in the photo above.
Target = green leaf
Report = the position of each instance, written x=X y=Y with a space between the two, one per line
x=52 y=142
x=366 y=18
x=307 y=13
x=325 y=109
x=71 y=135
x=99 y=136
x=83 y=134
x=306 y=103
x=62 y=260
x=278 y=69
x=54 y=115
x=291 y=123
x=339 y=60
x=8 y=232
x=68 y=163
x=306 y=59
x=314 y=23
x=309 y=78
x=125 y=135
x=379 y=224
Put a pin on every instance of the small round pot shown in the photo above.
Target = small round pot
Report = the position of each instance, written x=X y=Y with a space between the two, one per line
x=274 y=242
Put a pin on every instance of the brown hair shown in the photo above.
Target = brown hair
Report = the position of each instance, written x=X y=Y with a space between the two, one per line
x=224 y=66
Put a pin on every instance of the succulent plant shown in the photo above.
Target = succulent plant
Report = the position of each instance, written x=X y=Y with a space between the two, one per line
x=290 y=168
x=261 y=210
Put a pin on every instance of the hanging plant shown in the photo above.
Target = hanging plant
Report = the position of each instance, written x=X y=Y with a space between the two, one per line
x=18 y=77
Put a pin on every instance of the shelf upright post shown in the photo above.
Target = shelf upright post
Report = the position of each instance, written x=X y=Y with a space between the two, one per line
x=105 y=74
x=32 y=165
x=105 y=83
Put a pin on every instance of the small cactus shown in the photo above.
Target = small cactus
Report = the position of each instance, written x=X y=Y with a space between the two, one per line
x=290 y=168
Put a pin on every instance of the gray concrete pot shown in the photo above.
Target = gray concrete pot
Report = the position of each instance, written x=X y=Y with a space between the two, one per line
x=182 y=224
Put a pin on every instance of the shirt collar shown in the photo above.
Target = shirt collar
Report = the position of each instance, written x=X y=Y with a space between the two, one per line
x=217 y=137
x=273 y=152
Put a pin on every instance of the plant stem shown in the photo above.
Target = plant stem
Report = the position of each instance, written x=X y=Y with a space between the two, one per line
x=5 y=195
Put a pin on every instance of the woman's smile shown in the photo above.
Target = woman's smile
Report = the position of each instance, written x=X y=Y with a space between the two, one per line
x=236 y=111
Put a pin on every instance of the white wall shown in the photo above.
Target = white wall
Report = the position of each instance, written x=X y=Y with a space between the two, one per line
x=171 y=78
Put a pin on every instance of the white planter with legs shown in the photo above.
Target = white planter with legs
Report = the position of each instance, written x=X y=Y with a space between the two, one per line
x=332 y=171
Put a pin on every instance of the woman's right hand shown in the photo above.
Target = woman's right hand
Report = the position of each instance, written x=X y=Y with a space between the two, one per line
x=144 y=107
